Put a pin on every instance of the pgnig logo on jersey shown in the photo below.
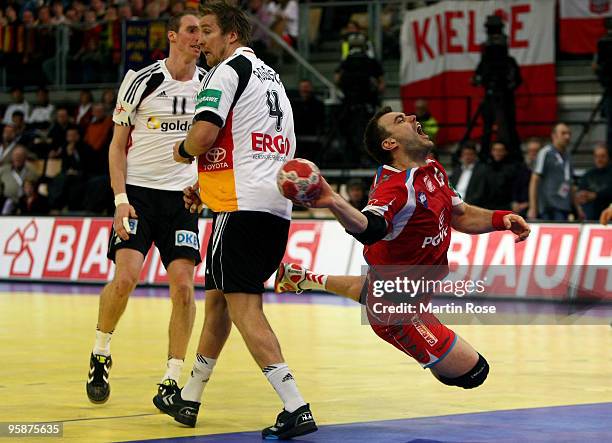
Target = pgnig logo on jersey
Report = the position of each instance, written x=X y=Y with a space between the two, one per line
x=437 y=239
x=155 y=123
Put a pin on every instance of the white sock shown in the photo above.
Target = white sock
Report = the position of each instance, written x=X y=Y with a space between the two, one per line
x=202 y=368
x=174 y=366
x=317 y=282
x=284 y=384
x=102 y=346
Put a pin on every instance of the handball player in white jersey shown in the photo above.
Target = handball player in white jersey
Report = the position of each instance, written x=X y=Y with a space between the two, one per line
x=242 y=133
x=155 y=109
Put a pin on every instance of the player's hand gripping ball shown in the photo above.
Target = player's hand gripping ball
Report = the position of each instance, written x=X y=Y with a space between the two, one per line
x=299 y=180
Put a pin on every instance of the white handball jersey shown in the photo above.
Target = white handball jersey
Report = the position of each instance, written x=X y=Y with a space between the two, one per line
x=246 y=99
x=160 y=111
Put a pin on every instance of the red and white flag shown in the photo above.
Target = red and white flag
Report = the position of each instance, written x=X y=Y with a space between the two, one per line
x=440 y=47
x=582 y=24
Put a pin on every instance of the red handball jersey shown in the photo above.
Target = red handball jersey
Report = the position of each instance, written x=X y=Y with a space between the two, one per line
x=417 y=204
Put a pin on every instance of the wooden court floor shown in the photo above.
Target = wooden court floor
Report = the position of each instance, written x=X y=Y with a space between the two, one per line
x=345 y=372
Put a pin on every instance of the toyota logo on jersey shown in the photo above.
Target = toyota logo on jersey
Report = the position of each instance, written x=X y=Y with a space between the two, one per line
x=216 y=155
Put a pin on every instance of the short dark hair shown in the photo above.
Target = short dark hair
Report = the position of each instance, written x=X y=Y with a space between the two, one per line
x=174 y=22
x=471 y=145
x=375 y=135
x=556 y=126
x=230 y=19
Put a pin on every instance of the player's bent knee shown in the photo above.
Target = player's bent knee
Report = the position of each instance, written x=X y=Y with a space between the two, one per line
x=471 y=379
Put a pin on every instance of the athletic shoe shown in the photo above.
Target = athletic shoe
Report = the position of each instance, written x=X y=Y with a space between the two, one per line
x=291 y=424
x=183 y=411
x=165 y=388
x=289 y=277
x=98 y=389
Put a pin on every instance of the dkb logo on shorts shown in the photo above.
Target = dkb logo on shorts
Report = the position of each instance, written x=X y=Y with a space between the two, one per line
x=186 y=238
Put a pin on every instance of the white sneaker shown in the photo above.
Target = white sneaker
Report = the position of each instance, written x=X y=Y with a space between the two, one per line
x=289 y=277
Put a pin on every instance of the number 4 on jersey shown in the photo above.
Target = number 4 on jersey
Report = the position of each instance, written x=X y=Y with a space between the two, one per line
x=275 y=110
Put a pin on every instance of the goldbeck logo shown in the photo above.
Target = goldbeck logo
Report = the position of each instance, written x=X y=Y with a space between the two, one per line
x=155 y=123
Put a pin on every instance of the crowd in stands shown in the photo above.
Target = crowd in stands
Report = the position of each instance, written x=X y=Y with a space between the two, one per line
x=30 y=29
x=54 y=158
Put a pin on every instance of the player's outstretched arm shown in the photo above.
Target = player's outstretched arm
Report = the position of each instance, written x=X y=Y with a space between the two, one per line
x=117 y=161
x=353 y=220
x=474 y=220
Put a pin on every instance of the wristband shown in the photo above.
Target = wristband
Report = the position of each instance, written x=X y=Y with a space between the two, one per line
x=121 y=199
x=497 y=220
x=182 y=152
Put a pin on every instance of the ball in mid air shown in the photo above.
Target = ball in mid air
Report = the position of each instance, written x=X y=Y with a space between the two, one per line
x=299 y=180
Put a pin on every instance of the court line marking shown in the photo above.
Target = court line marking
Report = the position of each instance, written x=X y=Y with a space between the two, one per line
x=102 y=418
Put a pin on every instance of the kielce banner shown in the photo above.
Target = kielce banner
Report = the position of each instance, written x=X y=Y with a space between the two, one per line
x=441 y=47
x=557 y=262
x=581 y=24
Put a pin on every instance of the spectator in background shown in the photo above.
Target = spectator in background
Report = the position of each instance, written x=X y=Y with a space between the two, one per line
x=99 y=7
x=84 y=112
x=66 y=188
x=19 y=104
x=89 y=55
x=42 y=112
x=287 y=11
x=499 y=178
x=357 y=195
x=164 y=9
x=109 y=100
x=602 y=66
x=177 y=7
x=551 y=191
x=57 y=131
x=18 y=122
x=520 y=195
x=469 y=177
x=309 y=117
x=12 y=45
x=595 y=186
x=98 y=135
x=80 y=9
x=110 y=46
x=260 y=40
x=152 y=11
x=94 y=161
x=353 y=27
x=31 y=202
x=125 y=11
x=428 y=122
x=138 y=8
x=361 y=79
x=57 y=7
x=8 y=143
x=12 y=177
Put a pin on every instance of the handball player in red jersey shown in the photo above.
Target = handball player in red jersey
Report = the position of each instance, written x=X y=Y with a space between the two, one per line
x=407 y=225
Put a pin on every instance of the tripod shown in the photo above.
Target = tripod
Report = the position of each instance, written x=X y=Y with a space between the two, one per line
x=495 y=107
x=586 y=127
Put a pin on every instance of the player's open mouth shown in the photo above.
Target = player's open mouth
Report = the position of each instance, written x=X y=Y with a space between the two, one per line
x=419 y=130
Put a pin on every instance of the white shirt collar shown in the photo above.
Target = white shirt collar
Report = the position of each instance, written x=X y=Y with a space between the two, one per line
x=244 y=50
